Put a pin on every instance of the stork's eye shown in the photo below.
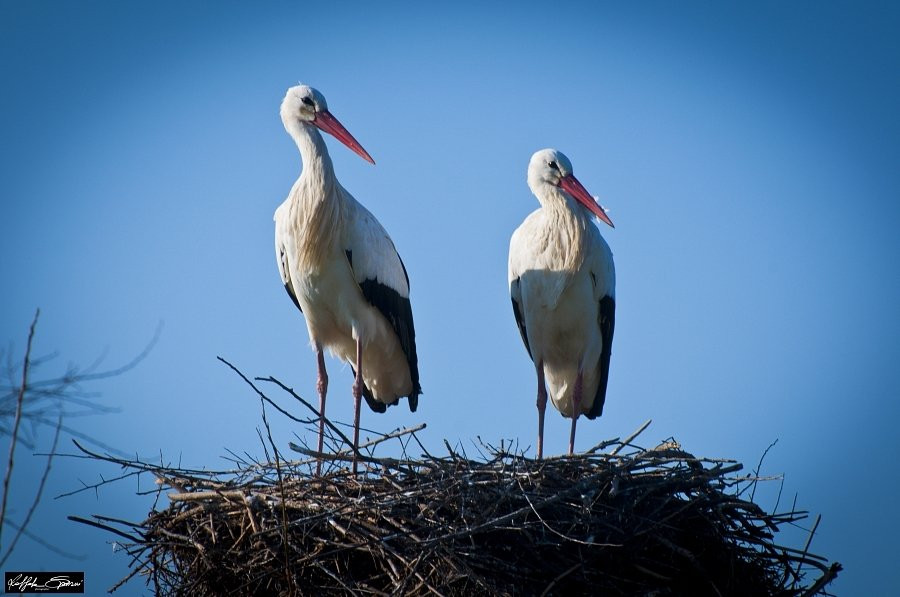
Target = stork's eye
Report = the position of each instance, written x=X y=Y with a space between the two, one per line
x=553 y=165
x=308 y=102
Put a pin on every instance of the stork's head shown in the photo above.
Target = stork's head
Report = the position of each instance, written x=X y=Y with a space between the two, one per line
x=301 y=102
x=306 y=105
x=549 y=167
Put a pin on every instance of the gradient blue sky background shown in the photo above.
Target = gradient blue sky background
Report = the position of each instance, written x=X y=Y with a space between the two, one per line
x=749 y=156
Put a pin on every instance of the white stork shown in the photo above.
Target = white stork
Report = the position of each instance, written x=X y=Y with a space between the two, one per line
x=562 y=283
x=341 y=270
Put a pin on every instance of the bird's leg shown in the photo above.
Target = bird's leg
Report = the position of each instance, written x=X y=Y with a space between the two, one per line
x=576 y=409
x=322 y=388
x=541 y=405
x=357 y=395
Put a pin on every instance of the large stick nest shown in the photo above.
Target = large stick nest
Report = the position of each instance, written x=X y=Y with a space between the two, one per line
x=617 y=520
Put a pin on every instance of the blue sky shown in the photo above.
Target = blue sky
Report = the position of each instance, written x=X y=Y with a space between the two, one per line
x=748 y=156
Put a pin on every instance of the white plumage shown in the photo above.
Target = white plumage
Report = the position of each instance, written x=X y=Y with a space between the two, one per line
x=562 y=284
x=341 y=269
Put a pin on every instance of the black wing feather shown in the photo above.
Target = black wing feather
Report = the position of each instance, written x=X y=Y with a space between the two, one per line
x=293 y=296
x=284 y=275
x=607 y=328
x=398 y=312
x=520 y=321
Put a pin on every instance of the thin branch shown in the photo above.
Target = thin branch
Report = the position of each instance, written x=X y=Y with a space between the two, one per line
x=564 y=574
x=47 y=545
x=15 y=432
x=759 y=468
x=290 y=391
x=368 y=444
x=105 y=527
x=37 y=495
x=631 y=437
x=824 y=580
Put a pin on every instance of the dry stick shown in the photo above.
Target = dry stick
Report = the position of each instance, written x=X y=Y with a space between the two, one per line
x=290 y=391
x=263 y=396
x=348 y=457
x=812 y=532
x=37 y=495
x=105 y=527
x=758 y=468
x=826 y=578
x=287 y=571
x=131 y=575
x=631 y=437
x=20 y=399
x=196 y=496
x=368 y=444
x=809 y=539
x=560 y=577
x=510 y=515
x=191 y=475
x=135 y=464
x=335 y=577
x=559 y=534
x=602 y=445
x=391 y=435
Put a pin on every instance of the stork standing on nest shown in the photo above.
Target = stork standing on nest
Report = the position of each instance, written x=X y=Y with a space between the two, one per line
x=562 y=283
x=340 y=268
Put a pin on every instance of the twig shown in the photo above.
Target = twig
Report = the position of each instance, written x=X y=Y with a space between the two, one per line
x=20 y=400
x=368 y=444
x=631 y=437
x=809 y=539
x=37 y=495
x=46 y=544
x=105 y=527
x=564 y=574
x=290 y=391
x=288 y=577
x=824 y=580
x=759 y=467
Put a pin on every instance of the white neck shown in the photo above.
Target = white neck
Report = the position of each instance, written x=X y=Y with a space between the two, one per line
x=317 y=196
x=313 y=152
x=566 y=222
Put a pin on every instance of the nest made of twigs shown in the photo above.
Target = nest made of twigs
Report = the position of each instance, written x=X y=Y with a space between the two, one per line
x=618 y=520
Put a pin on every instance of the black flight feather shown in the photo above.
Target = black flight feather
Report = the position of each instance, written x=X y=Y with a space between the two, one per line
x=607 y=327
x=397 y=310
x=520 y=321
x=287 y=285
x=293 y=296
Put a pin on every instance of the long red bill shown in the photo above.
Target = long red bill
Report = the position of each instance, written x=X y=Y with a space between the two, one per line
x=571 y=185
x=328 y=123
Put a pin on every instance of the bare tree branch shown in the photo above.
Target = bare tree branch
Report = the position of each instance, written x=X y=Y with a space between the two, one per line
x=15 y=431
x=28 y=405
x=37 y=495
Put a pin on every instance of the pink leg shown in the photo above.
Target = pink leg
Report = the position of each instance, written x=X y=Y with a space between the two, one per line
x=541 y=405
x=322 y=387
x=357 y=395
x=576 y=409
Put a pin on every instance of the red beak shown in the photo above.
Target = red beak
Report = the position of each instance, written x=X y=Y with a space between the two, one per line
x=328 y=123
x=571 y=185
